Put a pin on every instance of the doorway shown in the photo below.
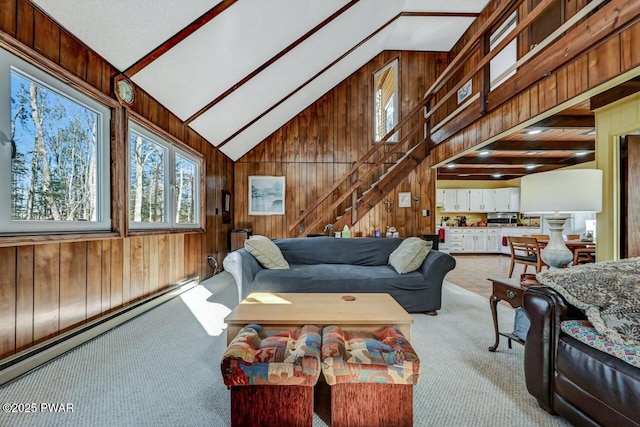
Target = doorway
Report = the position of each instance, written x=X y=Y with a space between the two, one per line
x=629 y=195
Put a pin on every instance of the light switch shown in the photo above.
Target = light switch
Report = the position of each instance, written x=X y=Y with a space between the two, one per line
x=425 y=212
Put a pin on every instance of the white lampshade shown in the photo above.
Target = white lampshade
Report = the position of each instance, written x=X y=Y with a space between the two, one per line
x=570 y=190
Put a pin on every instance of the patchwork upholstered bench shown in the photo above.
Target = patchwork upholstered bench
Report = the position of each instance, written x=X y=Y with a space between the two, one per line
x=271 y=375
x=371 y=377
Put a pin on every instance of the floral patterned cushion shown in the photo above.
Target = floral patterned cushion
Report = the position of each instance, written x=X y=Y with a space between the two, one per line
x=368 y=357
x=259 y=357
x=584 y=332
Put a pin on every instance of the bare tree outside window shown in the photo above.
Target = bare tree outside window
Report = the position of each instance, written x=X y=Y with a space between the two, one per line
x=147 y=175
x=53 y=170
x=186 y=180
x=164 y=183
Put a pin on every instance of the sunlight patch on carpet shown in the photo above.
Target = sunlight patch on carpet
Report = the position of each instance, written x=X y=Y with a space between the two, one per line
x=210 y=315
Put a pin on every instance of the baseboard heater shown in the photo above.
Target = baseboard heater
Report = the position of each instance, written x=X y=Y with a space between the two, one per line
x=20 y=363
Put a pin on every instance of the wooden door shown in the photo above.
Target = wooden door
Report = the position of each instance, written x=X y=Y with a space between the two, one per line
x=630 y=197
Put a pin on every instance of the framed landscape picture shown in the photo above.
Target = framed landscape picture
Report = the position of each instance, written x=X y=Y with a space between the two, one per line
x=266 y=195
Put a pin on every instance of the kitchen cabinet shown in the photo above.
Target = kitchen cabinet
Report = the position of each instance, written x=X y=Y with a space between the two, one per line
x=478 y=240
x=494 y=241
x=507 y=199
x=439 y=198
x=455 y=237
x=482 y=200
x=479 y=200
x=456 y=201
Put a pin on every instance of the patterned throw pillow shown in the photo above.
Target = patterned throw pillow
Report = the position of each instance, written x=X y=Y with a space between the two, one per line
x=266 y=252
x=410 y=255
x=608 y=292
x=584 y=332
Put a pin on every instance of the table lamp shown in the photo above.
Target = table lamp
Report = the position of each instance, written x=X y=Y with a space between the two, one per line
x=560 y=193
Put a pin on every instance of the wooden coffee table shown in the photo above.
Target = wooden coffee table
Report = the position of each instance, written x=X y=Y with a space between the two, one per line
x=367 y=312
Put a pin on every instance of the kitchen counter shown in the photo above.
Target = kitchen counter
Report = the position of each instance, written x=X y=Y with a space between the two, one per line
x=473 y=239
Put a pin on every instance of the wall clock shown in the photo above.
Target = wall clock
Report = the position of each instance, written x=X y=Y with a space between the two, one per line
x=124 y=91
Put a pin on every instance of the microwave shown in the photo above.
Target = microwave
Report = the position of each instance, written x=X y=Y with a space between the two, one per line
x=502 y=218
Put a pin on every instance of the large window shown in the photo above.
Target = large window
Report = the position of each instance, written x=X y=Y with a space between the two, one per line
x=164 y=183
x=54 y=154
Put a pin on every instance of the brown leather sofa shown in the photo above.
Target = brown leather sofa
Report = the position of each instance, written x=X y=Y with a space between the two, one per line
x=585 y=386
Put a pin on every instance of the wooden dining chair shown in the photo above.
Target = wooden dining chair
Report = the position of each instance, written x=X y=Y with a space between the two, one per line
x=526 y=251
x=584 y=255
x=573 y=237
x=538 y=236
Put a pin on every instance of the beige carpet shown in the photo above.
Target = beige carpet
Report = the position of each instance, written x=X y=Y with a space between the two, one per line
x=162 y=369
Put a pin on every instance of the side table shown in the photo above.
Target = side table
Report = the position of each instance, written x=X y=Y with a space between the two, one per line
x=511 y=291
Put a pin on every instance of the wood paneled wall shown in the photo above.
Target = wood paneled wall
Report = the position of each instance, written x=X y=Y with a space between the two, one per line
x=49 y=287
x=315 y=148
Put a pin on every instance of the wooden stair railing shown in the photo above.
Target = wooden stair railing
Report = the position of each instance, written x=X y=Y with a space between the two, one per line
x=386 y=184
x=345 y=219
x=362 y=176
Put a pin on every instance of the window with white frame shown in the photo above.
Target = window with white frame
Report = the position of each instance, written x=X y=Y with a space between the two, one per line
x=164 y=183
x=54 y=154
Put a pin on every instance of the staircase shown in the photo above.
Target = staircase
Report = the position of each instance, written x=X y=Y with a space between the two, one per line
x=370 y=179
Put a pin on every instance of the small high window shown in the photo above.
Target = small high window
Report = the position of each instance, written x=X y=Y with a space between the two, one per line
x=385 y=84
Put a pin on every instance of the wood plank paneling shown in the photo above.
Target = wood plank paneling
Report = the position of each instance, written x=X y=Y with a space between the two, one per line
x=8 y=16
x=46 y=37
x=632 y=198
x=629 y=41
x=94 y=278
x=73 y=284
x=73 y=55
x=117 y=274
x=105 y=276
x=46 y=291
x=24 y=297
x=154 y=263
x=24 y=23
x=7 y=300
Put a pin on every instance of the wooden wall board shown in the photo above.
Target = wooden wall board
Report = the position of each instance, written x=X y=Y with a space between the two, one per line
x=73 y=284
x=46 y=291
x=7 y=300
x=24 y=297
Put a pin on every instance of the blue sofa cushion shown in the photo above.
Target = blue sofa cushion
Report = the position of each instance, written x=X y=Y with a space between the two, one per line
x=329 y=250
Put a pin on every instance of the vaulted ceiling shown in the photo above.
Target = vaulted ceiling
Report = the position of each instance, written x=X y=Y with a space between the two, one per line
x=237 y=70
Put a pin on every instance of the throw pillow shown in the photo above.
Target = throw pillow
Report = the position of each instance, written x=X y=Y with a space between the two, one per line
x=266 y=252
x=410 y=255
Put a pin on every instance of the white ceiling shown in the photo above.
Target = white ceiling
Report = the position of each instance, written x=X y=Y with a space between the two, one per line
x=240 y=40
